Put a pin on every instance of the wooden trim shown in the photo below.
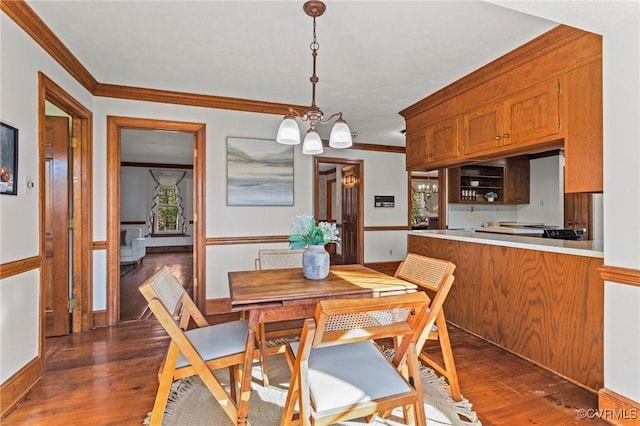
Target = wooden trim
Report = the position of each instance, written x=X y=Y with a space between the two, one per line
x=99 y=245
x=100 y=318
x=390 y=149
x=114 y=125
x=620 y=275
x=387 y=228
x=327 y=172
x=537 y=47
x=20 y=12
x=264 y=239
x=157 y=166
x=17 y=386
x=218 y=306
x=617 y=409
x=192 y=99
x=16 y=267
x=81 y=157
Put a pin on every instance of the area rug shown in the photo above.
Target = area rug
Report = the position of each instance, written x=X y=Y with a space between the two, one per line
x=191 y=403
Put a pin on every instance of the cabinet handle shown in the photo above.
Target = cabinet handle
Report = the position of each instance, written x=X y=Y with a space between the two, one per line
x=506 y=135
x=498 y=137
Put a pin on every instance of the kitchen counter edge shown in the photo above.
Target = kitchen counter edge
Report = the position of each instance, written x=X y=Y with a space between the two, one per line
x=578 y=248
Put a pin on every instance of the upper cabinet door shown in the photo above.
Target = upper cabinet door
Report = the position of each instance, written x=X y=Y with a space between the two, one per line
x=532 y=115
x=442 y=140
x=482 y=128
x=416 y=149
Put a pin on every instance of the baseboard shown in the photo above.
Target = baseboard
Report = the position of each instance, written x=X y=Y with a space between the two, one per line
x=170 y=249
x=100 y=318
x=17 y=386
x=617 y=409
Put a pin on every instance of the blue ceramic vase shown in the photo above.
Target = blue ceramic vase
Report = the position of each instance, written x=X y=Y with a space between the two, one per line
x=315 y=262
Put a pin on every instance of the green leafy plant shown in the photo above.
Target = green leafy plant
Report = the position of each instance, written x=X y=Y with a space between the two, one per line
x=490 y=195
x=304 y=231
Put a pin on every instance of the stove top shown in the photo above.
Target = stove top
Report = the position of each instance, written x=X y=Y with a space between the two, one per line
x=564 y=234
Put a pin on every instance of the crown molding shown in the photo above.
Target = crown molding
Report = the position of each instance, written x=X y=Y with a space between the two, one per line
x=20 y=12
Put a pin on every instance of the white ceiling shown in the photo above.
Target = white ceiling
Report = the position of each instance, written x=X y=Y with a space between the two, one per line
x=375 y=58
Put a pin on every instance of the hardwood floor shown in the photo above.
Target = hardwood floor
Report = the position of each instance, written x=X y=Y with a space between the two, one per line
x=132 y=305
x=108 y=377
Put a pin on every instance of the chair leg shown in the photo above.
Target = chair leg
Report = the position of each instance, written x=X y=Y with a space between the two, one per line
x=447 y=354
x=263 y=354
x=164 y=387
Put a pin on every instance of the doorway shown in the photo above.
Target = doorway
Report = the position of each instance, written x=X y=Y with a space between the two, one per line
x=156 y=204
x=64 y=188
x=338 y=197
x=115 y=128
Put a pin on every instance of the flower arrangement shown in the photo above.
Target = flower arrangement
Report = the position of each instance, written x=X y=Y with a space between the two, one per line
x=304 y=231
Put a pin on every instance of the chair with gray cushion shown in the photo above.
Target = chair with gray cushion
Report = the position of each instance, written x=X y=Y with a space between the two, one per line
x=198 y=351
x=338 y=371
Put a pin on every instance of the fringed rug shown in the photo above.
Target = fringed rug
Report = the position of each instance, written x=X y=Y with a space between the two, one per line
x=191 y=403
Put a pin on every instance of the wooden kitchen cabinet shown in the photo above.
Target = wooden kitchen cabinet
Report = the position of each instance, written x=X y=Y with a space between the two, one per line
x=578 y=211
x=527 y=117
x=583 y=149
x=436 y=143
x=517 y=182
x=509 y=178
x=416 y=149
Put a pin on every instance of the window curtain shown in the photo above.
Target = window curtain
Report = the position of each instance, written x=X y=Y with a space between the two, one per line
x=166 y=178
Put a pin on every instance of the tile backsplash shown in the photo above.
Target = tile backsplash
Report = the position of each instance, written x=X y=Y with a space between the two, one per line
x=465 y=216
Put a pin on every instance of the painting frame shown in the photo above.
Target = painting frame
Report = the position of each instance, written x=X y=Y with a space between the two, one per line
x=260 y=172
x=8 y=159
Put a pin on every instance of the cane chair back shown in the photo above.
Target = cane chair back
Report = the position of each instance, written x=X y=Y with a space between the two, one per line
x=436 y=277
x=197 y=351
x=272 y=336
x=338 y=370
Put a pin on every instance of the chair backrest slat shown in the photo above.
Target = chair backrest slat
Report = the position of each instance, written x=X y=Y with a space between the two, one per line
x=424 y=271
x=168 y=290
x=351 y=320
x=279 y=259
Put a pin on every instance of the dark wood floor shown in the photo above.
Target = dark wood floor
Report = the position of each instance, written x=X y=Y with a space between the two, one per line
x=132 y=305
x=108 y=377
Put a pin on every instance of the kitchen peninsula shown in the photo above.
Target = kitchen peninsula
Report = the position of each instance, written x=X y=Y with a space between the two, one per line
x=539 y=298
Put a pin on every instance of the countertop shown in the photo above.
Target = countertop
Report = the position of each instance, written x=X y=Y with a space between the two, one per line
x=578 y=248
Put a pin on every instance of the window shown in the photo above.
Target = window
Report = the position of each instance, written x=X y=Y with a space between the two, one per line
x=168 y=210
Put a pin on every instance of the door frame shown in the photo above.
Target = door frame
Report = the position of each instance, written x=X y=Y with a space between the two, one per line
x=81 y=173
x=316 y=194
x=114 y=125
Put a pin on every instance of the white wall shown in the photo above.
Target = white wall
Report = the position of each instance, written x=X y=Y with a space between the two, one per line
x=621 y=66
x=546 y=194
x=19 y=222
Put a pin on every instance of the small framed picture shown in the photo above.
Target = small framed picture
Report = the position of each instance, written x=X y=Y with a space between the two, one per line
x=8 y=159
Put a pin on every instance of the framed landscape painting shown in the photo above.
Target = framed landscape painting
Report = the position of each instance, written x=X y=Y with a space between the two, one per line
x=259 y=173
x=8 y=159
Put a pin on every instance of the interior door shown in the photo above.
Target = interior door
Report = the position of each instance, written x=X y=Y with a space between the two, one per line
x=56 y=227
x=350 y=215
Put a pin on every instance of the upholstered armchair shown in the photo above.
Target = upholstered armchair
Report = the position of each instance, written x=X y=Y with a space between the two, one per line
x=132 y=246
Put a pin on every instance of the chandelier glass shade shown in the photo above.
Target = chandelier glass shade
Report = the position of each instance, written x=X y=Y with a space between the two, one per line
x=289 y=131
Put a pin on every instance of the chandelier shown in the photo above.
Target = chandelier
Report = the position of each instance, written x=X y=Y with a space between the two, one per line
x=289 y=132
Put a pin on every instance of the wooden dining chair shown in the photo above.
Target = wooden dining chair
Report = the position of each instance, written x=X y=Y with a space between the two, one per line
x=270 y=336
x=338 y=371
x=197 y=351
x=436 y=277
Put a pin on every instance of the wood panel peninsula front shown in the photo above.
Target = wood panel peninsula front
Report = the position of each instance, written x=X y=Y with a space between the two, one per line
x=541 y=299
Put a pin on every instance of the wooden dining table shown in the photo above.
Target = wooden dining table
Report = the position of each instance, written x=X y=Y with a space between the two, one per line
x=284 y=294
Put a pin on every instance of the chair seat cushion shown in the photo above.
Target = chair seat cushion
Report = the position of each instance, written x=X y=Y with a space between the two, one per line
x=217 y=340
x=344 y=375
